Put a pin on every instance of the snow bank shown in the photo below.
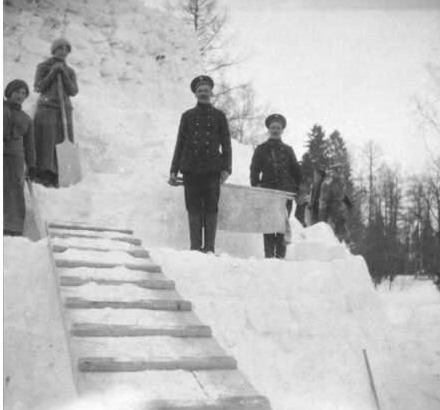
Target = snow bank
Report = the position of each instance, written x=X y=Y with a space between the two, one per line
x=297 y=328
x=37 y=370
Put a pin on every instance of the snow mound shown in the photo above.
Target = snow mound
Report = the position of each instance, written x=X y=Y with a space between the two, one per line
x=37 y=369
x=298 y=328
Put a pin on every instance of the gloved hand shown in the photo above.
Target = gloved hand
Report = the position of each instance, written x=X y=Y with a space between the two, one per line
x=173 y=179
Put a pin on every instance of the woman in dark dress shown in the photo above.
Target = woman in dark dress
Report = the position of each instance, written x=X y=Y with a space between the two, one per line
x=18 y=149
x=48 y=124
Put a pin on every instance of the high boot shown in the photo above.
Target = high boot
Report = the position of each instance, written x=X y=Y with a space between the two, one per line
x=210 y=231
x=195 y=231
x=280 y=246
x=269 y=245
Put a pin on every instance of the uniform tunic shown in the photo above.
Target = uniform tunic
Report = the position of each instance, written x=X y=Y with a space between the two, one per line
x=274 y=166
x=48 y=124
x=203 y=131
x=18 y=148
x=203 y=150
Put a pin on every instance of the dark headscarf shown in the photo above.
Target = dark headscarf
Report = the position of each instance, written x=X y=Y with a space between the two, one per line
x=15 y=85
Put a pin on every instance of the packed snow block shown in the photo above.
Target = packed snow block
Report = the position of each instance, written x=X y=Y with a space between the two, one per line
x=37 y=362
x=35 y=45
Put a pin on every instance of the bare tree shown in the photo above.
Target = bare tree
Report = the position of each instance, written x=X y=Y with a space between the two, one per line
x=209 y=21
x=372 y=153
x=429 y=111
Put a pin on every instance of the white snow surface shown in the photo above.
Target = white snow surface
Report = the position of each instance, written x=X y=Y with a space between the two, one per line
x=296 y=327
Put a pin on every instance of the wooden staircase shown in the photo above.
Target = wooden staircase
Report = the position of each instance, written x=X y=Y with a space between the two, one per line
x=128 y=325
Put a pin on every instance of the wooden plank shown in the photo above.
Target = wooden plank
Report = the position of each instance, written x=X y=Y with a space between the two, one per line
x=105 y=330
x=224 y=383
x=130 y=240
x=147 y=304
x=73 y=263
x=143 y=283
x=80 y=226
x=111 y=364
x=137 y=253
x=225 y=403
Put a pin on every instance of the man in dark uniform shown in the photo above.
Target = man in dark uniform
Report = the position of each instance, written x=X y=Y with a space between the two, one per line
x=274 y=166
x=203 y=155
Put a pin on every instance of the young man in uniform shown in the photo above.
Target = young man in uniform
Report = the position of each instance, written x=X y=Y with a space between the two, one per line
x=274 y=166
x=203 y=155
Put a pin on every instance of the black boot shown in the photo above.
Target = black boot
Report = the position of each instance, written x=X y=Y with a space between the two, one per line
x=210 y=231
x=195 y=231
x=269 y=245
x=280 y=246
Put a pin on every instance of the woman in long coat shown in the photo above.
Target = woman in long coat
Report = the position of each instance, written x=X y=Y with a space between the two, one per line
x=18 y=149
x=48 y=120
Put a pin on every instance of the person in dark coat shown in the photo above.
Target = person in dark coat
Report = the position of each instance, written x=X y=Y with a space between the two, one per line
x=203 y=155
x=18 y=150
x=48 y=124
x=329 y=202
x=319 y=174
x=274 y=165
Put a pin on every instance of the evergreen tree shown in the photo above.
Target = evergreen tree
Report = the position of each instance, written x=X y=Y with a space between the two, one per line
x=316 y=147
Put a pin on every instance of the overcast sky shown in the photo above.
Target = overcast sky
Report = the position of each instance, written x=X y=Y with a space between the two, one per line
x=357 y=70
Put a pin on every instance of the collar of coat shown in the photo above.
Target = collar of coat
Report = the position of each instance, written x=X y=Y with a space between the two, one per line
x=12 y=105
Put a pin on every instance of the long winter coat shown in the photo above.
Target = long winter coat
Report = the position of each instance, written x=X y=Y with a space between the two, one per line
x=203 y=142
x=48 y=125
x=274 y=166
x=18 y=149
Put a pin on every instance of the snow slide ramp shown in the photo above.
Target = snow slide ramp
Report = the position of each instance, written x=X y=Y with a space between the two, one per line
x=129 y=326
x=37 y=369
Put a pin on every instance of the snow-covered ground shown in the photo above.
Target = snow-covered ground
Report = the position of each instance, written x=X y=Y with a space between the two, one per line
x=297 y=327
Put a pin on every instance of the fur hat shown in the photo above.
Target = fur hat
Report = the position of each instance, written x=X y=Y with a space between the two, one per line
x=15 y=85
x=201 y=79
x=276 y=118
x=59 y=42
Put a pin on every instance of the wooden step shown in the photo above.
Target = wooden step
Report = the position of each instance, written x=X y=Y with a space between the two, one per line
x=135 y=319
x=72 y=263
x=224 y=383
x=113 y=364
x=136 y=253
x=97 y=244
x=84 y=226
x=224 y=403
x=124 y=294
x=144 y=283
x=151 y=304
x=116 y=273
x=66 y=235
x=146 y=347
x=150 y=385
x=101 y=330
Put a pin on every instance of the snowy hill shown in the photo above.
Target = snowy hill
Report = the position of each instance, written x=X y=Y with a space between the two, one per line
x=297 y=328
x=134 y=65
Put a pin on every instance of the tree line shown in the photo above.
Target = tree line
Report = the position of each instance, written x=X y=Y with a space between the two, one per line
x=394 y=221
